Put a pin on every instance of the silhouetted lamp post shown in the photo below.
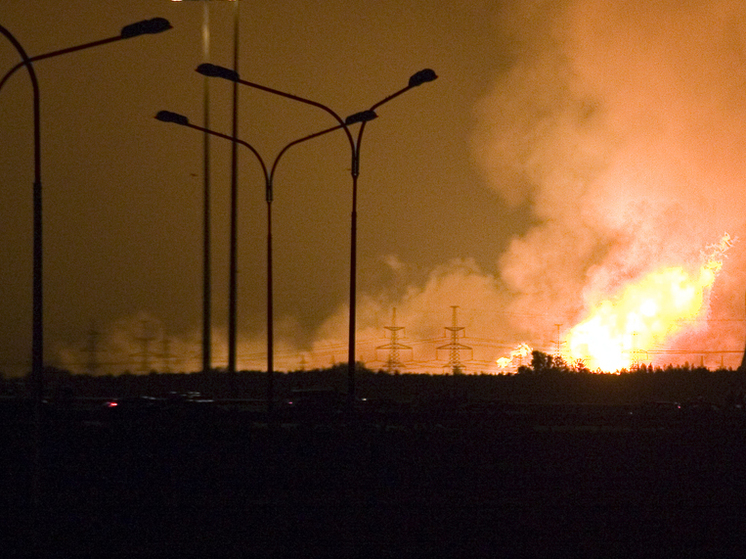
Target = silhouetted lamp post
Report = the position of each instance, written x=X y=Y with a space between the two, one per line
x=417 y=79
x=151 y=26
x=155 y=25
x=362 y=117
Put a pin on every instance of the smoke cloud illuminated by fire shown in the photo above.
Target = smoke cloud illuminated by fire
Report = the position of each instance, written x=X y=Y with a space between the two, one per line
x=619 y=128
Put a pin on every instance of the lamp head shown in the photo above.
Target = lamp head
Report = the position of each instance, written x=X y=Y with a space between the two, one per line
x=146 y=27
x=362 y=116
x=423 y=76
x=215 y=71
x=176 y=118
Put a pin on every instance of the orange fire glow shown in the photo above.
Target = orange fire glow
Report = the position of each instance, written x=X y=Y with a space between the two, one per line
x=521 y=351
x=644 y=314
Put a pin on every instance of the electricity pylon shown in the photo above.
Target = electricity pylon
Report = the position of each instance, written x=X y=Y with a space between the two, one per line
x=394 y=362
x=454 y=348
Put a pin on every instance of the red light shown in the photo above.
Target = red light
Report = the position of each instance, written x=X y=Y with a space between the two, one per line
x=111 y=404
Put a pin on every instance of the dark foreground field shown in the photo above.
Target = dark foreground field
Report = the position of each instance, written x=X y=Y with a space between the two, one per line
x=602 y=481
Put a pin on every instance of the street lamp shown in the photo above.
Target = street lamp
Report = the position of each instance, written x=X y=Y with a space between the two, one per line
x=417 y=79
x=175 y=118
x=146 y=27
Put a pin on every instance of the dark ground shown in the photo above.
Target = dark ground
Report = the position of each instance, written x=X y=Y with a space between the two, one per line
x=486 y=480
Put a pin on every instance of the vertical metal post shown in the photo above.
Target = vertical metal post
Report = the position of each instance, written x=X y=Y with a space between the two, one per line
x=351 y=364
x=37 y=320
x=232 y=291
x=37 y=350
x=37 y=343
x=270 y=322
x=206 y=270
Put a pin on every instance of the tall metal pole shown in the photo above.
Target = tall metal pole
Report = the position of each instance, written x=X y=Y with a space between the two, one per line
x=167 y=116
x=37 y=326
x=417 y=79
x=155 y=25
x=351 y=362
x=270 y=310
x=206 y=264
x=207 y=297
x=146 y=27
x=233 y=272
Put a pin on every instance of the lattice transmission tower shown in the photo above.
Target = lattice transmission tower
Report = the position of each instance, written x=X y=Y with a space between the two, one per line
x=147 y=336
x=393 y=363
x=166 y=354
x=91 y=350
x=455 y=366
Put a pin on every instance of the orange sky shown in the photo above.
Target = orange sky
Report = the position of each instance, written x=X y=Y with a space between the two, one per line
x=565 y=148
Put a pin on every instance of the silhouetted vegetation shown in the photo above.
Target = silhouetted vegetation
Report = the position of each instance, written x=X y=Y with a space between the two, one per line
x=548 y=379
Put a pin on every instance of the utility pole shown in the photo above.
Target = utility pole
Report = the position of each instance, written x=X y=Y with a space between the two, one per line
x=91 y=349
x=558 y=351
x=166 y=355
x=394 y=363
x=145 y=338
x=454 y=348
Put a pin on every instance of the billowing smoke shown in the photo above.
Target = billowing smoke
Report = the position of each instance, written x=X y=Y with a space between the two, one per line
x=424 y=308
x=137 y=344
x=621 y=124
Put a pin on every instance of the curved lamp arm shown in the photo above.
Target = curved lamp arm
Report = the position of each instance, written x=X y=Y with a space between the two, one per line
x=146 y=27
x=176 y=118
x=215 y=71
x=415 y=80
x=37 y=344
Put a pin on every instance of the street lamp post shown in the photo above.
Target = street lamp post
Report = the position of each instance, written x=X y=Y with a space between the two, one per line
x=233 y=267
x=364 y=116
x=151 y=26
x=417 y=79
x=146 y=27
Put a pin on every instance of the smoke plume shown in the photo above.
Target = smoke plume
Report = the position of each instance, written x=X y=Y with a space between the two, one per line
x=621 y=124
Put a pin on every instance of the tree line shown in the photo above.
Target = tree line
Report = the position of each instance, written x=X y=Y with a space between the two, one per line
x=548 y=379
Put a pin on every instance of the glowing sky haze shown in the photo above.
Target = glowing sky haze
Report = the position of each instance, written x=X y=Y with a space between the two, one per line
x=567 y=150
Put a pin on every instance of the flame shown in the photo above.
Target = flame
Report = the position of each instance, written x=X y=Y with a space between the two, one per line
x=521 y=351
x=644 y=314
